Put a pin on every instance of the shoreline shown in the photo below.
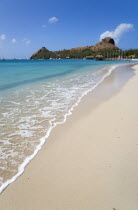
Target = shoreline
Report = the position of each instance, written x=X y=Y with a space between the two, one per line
x=47 y=153
x=44 y=138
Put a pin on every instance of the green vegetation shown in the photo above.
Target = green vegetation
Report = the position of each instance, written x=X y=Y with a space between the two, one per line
x=75 y=53
x=104 y=50
x=87 y=53
x=132 y=53
x=43 y=53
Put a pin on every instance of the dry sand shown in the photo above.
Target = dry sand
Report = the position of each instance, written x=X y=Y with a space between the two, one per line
x=91 y=161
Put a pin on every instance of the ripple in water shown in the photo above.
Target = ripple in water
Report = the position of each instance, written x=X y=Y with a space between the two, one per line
x=30 y=113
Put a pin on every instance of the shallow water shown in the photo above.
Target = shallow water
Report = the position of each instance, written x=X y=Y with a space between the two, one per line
x=35 y=96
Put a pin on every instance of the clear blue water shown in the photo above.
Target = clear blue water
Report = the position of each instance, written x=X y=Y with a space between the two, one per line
x=36 y=95
x=20 y=72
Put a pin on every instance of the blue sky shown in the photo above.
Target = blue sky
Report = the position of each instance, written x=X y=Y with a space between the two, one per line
x=27 y=25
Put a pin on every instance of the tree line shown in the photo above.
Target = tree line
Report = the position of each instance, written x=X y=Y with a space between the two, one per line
x=88 y=54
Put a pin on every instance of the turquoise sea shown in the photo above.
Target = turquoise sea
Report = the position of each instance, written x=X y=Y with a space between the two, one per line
x=35 y=96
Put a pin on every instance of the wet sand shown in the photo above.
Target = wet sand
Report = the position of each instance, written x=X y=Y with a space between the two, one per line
x=89 y=162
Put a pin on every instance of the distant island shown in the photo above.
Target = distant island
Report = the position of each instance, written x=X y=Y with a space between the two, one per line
x=103 y=50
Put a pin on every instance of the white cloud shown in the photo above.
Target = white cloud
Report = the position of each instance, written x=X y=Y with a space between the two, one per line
x=13 y=41
x=3 y=37
x=43 y=26
x=119 y=31
x=26 y=41
x=53 y=20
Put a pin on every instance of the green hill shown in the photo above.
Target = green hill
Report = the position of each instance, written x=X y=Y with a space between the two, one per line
x=78 y=52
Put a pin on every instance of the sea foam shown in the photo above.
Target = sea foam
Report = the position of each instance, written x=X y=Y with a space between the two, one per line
x=62 y=96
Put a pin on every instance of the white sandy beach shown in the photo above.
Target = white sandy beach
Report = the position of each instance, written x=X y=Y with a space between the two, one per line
x=88 y=163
